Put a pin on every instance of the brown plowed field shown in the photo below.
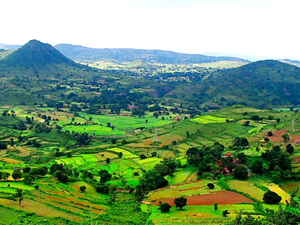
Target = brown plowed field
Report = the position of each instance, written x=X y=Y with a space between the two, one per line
x=221 y=197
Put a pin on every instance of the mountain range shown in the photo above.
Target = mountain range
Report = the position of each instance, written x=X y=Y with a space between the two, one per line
x=80 y=53
x=34 y=69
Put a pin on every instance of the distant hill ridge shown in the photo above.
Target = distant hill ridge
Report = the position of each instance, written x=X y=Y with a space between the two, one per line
x=261 y=84
x=81 y=53
x=9 y=47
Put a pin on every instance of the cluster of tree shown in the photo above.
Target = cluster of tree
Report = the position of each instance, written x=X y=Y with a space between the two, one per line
x=4 y=175
x=82 y=139
x=104 y=176
x=17 y=174
x=42 y=128
x=20 y=126
x=8 y=113
x=206 y=157
x=64 y=173
x=151 y=180
x=29 y=174
x=240 y=142
x=230 y=163
x=179 y=203
x=279 y=163
x=3 y=145
x=165 y=168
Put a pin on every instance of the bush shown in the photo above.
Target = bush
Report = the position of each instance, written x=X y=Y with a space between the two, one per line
x=103 y=189
x=257 y=167
x=142 y=156
x=165 y=207
x=271 y=197
x=180 y=202
x=241 y=172
x=210 y=185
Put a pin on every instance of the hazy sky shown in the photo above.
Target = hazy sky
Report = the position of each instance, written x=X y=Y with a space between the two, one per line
x=258 y=28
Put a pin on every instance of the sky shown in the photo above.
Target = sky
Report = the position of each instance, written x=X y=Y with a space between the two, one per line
x=254 y=29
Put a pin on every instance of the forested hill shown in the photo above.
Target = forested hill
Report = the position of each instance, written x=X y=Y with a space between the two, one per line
x=262 y=84
x=35 y=55
x=30 y=73
x=80 y=53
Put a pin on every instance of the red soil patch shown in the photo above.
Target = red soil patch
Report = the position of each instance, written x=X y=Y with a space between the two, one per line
x=176 y=118
x=277 y=137
x=296 y=160
x=221 y=197
x=295 y=139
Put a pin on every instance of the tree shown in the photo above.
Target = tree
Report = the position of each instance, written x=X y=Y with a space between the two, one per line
x=257 y=167
x=26 y=169
x=154 y=154
x=102 y=188
x=286 y=137
x=255 y=117
x=241 y=172
x=142 y=156
x=187 y=134
x=162 y=169
x=246 y=123
x=64 y=178
x=290 y=149
x=152 y=180
x=243 y=142
x=82 y=188
x=155 y=115
x=165 y=207
x=242 y=158
x=210 y=185
x=17 y=175
x=180 y=202
x=225 y=213
x=271 y=197
x=120 y=154
x=19 y=195
x=105 y=176
x=3 y=145
x=216 y=206
x=108 y=161
x=27 y=178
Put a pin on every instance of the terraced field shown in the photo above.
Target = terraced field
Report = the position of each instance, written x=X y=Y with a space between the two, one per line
x=191 y=189
x=210 y=119
x=247 y=188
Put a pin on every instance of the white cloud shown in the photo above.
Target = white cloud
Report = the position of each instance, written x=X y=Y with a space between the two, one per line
x=258 y=28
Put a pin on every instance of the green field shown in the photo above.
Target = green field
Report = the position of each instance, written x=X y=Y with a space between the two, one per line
x=128 y=122
x=7 y=216
x=15 y=185
x=196 y=214
x=210 y=119
x=94 y=130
